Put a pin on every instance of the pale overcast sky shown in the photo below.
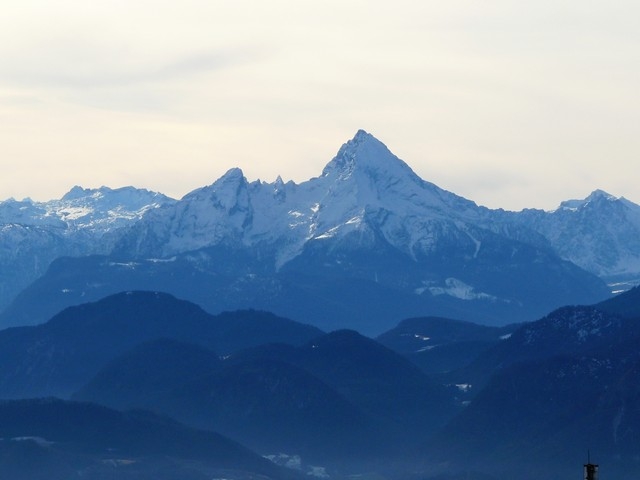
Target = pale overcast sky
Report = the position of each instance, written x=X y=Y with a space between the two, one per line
x=511 y=104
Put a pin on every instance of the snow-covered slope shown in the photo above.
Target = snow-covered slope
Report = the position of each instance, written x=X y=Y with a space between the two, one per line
x=600 y=233
x=364 y=187
x=97 y=210
x=367 y=191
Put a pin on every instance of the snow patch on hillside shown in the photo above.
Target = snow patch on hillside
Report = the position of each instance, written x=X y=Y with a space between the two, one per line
x=455 y=288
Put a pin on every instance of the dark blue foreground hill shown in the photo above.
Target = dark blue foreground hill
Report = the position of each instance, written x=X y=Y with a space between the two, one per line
x=268 y=405
x=341 y=400
x=538 y=418
x=381 y=382
x=571 y=330
x=60 y=356
x=59 y=440
x=556 y=388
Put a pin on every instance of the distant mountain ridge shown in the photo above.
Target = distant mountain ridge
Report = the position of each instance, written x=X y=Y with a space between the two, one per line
x=99 y=210
x=600 y=234
x=82 y=222
x=400 y=246
x=367 y=189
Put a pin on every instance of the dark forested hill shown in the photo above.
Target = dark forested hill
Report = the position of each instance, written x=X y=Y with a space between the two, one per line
x=58 y=357
x=60 y=440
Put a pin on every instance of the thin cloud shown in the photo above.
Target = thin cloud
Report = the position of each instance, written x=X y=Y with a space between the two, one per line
x=108 y=74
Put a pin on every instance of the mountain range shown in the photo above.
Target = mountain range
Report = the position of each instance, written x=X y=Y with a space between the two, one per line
x=496 y=346
x=367 y=243
x=82 y=222
x=530 y=400
x=339 y=400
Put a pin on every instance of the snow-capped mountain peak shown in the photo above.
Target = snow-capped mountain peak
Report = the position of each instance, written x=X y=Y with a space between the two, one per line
x=601 y=194
x=77 y=192
x=366 y=176
x=223 y=193
x=365 y=153
x=595 y=196
x=364 y=188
